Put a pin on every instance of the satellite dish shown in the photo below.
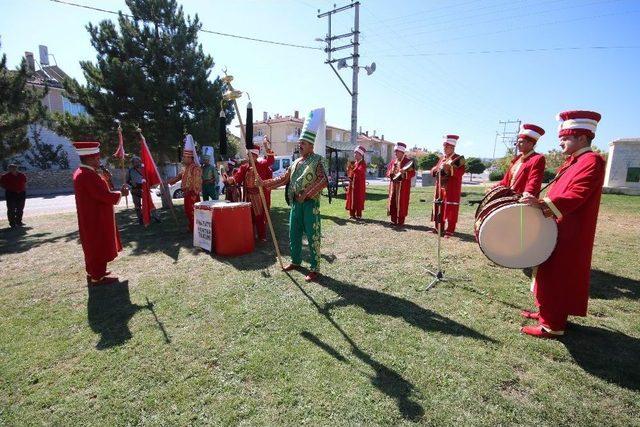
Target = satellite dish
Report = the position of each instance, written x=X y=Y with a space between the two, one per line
x=370 y=68
x=342 y=64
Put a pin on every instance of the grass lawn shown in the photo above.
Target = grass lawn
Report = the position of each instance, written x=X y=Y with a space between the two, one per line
x=187 y=338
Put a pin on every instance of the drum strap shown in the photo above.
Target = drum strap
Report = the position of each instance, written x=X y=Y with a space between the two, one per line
x=555 y=178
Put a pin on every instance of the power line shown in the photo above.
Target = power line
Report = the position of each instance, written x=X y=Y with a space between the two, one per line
x=218 y=33
x=499 y=19
x=537 y=25
x=483 y=52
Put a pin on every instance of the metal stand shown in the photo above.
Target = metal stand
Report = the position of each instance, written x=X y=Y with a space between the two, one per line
x=438 y=275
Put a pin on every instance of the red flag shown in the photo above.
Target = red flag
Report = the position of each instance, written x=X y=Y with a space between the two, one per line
x=119 y=154
x=151 y=178
x=150 y=170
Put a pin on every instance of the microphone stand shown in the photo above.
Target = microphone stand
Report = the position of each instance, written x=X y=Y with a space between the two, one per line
x=438 y=274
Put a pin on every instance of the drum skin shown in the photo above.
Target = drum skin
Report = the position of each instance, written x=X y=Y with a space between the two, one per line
x=233 y=229
x=515 y=235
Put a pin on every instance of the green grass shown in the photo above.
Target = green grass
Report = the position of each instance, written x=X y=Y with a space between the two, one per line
x=187 y=338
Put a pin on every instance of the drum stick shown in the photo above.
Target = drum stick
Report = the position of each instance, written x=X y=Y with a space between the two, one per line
x=265 y=208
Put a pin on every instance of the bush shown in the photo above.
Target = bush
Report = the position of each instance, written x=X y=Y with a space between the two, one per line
x=496 y=176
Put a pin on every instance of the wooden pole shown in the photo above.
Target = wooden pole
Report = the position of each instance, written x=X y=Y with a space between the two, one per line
x=265 y=208
x=124 y=178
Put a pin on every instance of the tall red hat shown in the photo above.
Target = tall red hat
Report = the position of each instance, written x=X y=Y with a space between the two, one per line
x=360 y=149
x=578 y=123
x=530 y=132
x=87 y=148
x=450 y=139
x=255 y=149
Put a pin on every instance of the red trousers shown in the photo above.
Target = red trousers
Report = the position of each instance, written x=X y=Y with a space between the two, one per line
x=552 y=319
x=96 y=269
x=189 y=200
x=397 y=219
x=260 y=222
x=355 y=213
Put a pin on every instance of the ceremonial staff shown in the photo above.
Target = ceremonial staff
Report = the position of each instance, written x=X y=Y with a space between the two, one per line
x=120 y=154
x=232 y=95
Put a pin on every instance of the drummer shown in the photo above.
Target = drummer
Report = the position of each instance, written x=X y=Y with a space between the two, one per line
x=448 y=172
x=400 y=172
x=561 y=283
x=245 y=175
x=526 y=171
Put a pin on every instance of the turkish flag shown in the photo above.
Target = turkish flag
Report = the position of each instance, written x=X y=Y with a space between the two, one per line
x=151 y=178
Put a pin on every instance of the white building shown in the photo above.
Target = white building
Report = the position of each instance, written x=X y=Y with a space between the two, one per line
x=623 y=167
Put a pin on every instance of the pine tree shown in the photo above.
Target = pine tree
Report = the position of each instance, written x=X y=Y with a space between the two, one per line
x=151 y=72
x=45 y=156
x=20 y=105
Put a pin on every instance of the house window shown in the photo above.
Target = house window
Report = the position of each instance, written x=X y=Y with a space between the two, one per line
x=72 y=108
x=633 y=174
x=298 y=131
x=259 y=132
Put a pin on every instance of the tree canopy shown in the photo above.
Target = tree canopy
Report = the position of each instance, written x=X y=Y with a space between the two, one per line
x=20 y=106
x=150 y=71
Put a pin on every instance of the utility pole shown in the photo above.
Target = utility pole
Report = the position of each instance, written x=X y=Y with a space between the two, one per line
x=507 y=135
x=342 y=62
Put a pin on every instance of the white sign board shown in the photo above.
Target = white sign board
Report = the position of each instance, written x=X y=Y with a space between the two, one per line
x=202 y=228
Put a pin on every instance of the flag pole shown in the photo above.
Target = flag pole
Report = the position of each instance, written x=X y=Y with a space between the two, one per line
x=163 y=187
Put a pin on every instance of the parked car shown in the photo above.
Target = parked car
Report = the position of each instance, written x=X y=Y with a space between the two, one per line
x=280 y=165
x=175 y=190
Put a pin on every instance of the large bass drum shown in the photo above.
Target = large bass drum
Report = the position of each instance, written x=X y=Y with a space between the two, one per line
x=512 y=234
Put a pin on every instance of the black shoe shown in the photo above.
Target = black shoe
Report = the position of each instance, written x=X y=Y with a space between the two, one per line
x=156 y=219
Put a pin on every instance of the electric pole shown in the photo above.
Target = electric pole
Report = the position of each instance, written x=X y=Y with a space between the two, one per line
x=342 y=62
x=507 y=135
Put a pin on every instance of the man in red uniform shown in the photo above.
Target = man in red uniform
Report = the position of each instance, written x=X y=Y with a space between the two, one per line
x=191 y=177
x=400 y=172
x=448 y=172
x=232 y=193
x=527 y=169
x=269 y=160
x=15 y=187
x=561 y=283
x=356 y=191
x=251 y=193
x=96 y=215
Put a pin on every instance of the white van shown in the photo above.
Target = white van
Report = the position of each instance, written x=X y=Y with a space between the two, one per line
x=280 y=165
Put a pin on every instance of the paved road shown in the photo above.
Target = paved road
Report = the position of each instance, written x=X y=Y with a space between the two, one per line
x=47 y=205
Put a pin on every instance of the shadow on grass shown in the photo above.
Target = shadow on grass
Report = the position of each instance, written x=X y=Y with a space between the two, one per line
x=167 y=237
x=18 y=240
x=385 y=379
x=109 y=309
x=264 y=254
x=610 y=355
x=380 y=303
x=609 y=286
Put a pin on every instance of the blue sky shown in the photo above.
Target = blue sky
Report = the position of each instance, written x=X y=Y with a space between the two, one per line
x=431 y=76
